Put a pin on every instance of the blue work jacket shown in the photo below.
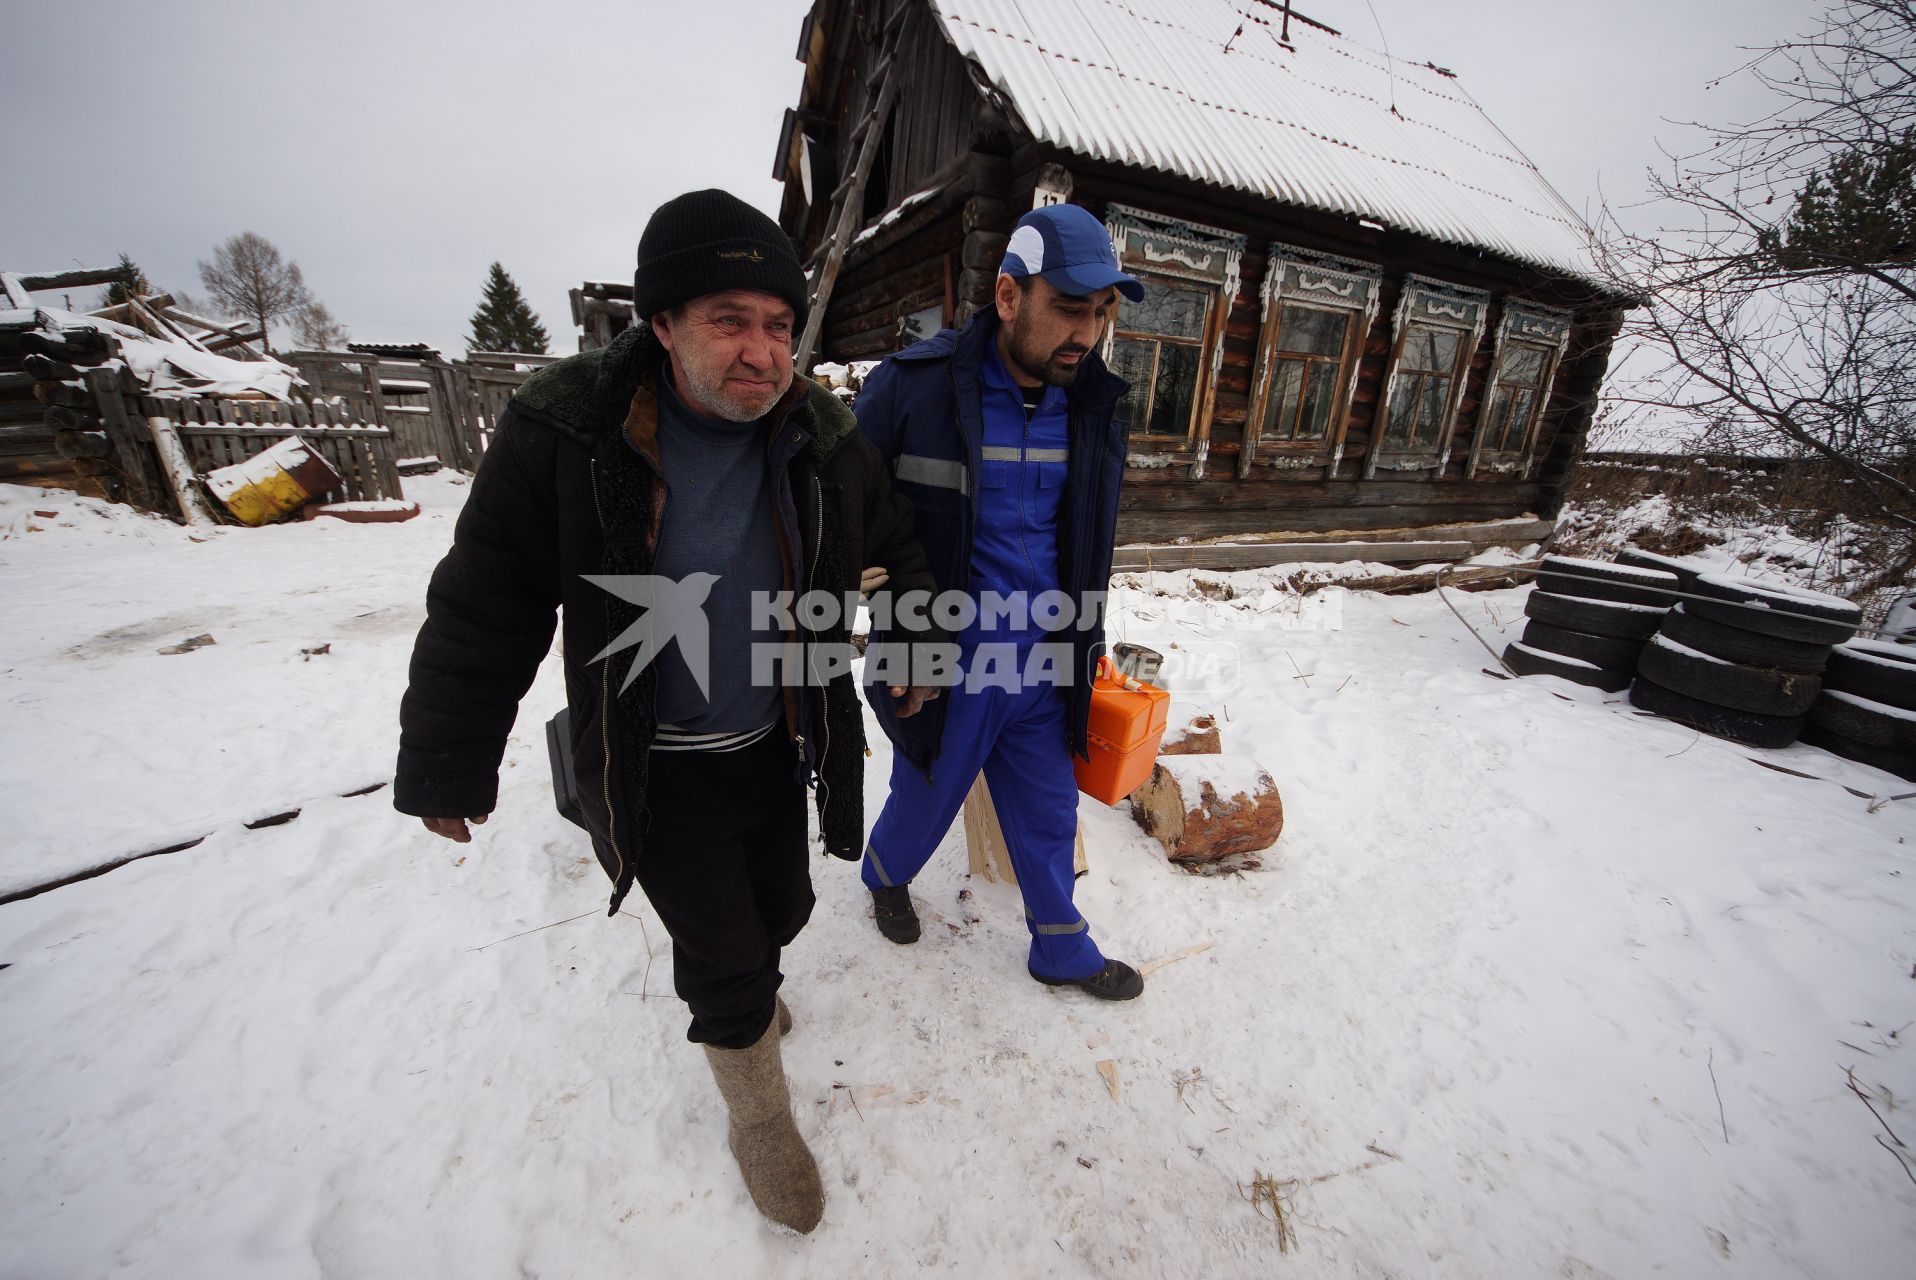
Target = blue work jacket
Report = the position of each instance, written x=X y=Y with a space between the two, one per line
x=924 y=409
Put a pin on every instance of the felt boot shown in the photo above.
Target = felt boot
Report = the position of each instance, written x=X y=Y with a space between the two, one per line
x=780 y=1174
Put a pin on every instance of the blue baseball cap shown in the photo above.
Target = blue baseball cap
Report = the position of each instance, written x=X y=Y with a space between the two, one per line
x=1070 y=249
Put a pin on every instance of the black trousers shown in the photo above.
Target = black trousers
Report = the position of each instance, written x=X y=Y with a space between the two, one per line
x=726 y=865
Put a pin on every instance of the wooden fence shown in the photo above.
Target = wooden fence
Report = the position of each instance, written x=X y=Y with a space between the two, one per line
x=366 y=415
x=219 y=433
x=434 y=408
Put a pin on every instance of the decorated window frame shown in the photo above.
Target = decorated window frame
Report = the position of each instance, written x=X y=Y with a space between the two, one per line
x=1527 y=353
x=1171 y=345
x=1436 y=332
x=1301 y=404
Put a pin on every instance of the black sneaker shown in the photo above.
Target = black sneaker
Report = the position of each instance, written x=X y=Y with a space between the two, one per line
x=1116 y=981
x=892 y=909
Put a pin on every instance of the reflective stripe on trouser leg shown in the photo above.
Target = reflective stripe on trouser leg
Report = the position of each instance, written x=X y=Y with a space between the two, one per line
x=1036 y=795
x=918 y=813
x=878 y=868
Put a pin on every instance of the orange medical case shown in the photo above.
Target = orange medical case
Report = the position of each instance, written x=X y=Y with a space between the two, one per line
x=1127 y=724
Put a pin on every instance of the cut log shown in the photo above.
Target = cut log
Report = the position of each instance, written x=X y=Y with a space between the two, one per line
x=82 y=444
x=71 y=279
x=985 y=838
x=1199 y=738
x=69 y=348
x=71 y=395
x=41 y=368
x=1202 y=808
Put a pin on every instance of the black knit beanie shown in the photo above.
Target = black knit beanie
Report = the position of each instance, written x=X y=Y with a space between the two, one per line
x=706 y=241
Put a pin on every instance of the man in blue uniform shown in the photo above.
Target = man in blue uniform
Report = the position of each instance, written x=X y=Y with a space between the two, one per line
x=1002 y=435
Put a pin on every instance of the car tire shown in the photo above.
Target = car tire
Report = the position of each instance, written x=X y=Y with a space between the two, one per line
x=1763 y=690
x=1526 y=661
x=1594 y=617
x=1734 y=644
x=1873 y=670
x=1746 y=727
x=1686 y=571
x=1900 y=763
x=1785 y=612
x=1876 y=723
x=1607 y=652
x=1601 y=580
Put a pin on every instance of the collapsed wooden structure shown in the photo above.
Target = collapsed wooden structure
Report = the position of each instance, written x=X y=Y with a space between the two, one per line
x=1367 y=312
x=138 y=401
x=31 y=420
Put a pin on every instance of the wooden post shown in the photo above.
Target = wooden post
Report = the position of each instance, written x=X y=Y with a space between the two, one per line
x=985 y=838
x=388 y=470
x=178 y=471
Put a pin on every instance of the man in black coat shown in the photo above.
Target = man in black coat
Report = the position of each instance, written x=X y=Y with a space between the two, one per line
x=667 y=486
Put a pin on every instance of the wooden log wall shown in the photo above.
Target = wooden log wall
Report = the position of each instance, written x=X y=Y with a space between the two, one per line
x=948 y=136
x=944 y=252
x=1162 y=503
x=933 y=121
x=29 y=452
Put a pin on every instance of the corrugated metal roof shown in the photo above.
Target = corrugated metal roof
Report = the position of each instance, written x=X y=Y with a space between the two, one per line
x=1328 y=124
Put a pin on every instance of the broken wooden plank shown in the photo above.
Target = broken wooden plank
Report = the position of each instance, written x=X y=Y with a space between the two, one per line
x=1267 y=554
x=1184 y=953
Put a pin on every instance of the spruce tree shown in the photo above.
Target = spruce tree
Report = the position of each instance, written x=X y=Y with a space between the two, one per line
x=131 y=284
x=1859 y=210
x=504 y=320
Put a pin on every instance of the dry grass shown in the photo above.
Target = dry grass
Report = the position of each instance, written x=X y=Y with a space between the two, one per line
x=1269 y=1197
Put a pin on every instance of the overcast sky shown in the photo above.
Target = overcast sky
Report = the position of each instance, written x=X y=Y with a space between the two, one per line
x=395 y=149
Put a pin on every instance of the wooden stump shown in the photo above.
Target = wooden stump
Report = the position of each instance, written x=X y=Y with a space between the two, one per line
x=1199 y=738
x=1202 y=808
x=985 y=838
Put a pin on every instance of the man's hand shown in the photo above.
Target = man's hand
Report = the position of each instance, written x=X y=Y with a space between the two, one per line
x=910 y=700
x=453 y=829
x=872 y=578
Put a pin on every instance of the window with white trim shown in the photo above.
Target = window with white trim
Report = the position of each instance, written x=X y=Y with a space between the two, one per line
x=1317 y=313
x=1529 y=348
x=1438 y=327
x=1169 y=346
x=1158 y=347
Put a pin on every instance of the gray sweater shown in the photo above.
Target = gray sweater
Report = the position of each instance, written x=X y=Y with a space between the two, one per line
x=718 y=520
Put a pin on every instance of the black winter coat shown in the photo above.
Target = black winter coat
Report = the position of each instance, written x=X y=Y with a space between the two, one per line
x=560 y=493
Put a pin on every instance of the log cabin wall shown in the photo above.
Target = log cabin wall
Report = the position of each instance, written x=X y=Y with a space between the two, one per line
x=974 y=172
x=931 y=124
x=922 y=260
x=1162 y=502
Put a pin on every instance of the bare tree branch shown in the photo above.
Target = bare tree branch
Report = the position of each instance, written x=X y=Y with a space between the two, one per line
x=1780 y=304
x=248 y=277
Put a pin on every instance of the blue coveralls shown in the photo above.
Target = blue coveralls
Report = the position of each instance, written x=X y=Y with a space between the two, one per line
x=1016 y=736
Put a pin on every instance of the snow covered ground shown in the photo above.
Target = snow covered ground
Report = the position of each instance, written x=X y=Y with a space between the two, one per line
x=1838 y=560
x=1531 y=985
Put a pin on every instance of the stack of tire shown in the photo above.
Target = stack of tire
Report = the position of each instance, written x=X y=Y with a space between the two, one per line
x=1589 y=619
x=1867 y=711
x=1742 y=660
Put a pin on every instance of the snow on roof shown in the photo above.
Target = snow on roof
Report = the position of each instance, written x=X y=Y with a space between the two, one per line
x=1328 y=125
x=175 y=366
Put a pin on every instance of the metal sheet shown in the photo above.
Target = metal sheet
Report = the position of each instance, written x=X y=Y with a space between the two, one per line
x=1329 y=125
